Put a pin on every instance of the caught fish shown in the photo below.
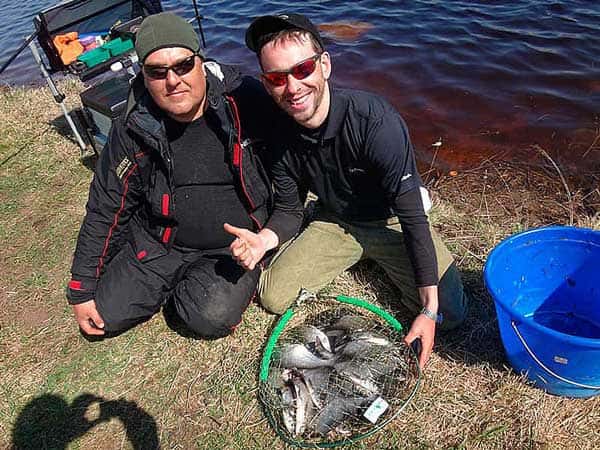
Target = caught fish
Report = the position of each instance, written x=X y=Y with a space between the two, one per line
x=336 y=411
x=350 y=323
x=336 y=337
x=312 y=335
x=364 y=345
x=327 y=375
x=304 y=406
x=317 y=341
x=297 y=404
x=287 y=411
x=368 y=370
x=370 y=338
x=299 y=357
x=317 y=382
x=360 y=374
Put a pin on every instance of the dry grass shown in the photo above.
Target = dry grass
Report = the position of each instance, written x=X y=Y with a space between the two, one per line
x=151 y=387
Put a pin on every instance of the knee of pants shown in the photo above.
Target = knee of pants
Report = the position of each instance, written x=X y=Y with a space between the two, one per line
x=208 y=313
x=207 y=328
x=273 y=297
x=452 y=298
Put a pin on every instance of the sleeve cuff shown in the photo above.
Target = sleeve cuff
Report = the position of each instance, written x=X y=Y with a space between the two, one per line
x=80 y=290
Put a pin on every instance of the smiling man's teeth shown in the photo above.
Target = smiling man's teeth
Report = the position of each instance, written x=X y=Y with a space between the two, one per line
x=299 y=101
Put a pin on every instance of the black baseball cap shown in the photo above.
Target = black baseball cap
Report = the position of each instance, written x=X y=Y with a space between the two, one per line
x=263 y=26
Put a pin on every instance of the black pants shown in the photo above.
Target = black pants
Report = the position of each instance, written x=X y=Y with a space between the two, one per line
x=209 y=291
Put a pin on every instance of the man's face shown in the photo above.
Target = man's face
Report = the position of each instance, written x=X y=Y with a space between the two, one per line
x=182 y=97
x=306 y=100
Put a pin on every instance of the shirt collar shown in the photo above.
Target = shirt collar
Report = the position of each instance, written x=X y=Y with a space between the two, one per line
x=338 y=104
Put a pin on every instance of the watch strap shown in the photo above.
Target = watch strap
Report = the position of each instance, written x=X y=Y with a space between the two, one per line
x=437 y=318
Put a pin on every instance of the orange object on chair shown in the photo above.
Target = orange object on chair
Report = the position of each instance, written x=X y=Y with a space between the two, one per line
x=68 y=47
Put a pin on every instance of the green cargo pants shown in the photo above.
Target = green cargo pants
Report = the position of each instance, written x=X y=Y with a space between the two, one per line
x=328 y=246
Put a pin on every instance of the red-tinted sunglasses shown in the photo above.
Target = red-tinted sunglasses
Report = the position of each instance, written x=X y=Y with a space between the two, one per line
x=300 y=71
x=181 y=68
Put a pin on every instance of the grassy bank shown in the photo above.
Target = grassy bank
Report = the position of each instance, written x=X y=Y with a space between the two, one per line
x=152 y=387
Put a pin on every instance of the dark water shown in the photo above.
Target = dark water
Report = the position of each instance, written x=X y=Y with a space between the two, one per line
x=489 y=78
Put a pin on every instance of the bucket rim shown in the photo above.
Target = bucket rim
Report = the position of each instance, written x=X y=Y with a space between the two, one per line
x=514 y=314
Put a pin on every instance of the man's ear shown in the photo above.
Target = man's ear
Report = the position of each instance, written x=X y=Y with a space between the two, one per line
x=325 y=62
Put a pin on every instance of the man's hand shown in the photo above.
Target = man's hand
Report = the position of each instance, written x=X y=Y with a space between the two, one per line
x=249 y=248
x=88 y=318
x=423 y=327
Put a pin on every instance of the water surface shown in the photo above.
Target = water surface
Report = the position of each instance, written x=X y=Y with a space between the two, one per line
x=490 y=79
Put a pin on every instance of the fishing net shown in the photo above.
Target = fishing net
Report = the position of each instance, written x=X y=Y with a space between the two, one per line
x=335 y=370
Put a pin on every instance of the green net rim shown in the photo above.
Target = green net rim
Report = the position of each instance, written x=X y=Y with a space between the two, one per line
x=266 y=362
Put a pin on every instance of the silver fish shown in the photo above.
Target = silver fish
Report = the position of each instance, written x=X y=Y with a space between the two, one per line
x=299 y=357
x=312 y=335
x=371 y=338
x=361 y=375
x=288 y=409
x=336 y=338
x=368 y=370
x=336 y=411
x=304 y=406
x=317 y=382
x=355 y=348
x=350 y=323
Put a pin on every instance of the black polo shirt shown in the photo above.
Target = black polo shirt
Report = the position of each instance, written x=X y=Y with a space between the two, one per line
x=361 y=165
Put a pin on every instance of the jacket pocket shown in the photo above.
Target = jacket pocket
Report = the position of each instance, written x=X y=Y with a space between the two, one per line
x=145 y=246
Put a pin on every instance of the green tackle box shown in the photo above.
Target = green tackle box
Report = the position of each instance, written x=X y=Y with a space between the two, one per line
x=117 y=46
x=94 y=57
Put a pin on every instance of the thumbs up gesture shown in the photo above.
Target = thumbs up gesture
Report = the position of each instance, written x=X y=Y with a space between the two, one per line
x=248 y=248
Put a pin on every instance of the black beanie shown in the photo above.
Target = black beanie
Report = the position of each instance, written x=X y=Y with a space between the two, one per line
x=165 y=30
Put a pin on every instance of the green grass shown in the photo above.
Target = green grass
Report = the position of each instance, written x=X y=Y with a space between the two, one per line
x=152 y=387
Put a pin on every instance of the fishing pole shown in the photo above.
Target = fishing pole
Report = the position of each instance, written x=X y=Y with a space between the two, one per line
x=198 y=18
x=28 y=39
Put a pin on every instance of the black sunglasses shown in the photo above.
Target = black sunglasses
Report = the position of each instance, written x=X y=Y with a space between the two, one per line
x=180 y=68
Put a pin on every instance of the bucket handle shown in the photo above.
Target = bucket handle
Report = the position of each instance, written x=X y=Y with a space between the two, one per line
x=547 y=369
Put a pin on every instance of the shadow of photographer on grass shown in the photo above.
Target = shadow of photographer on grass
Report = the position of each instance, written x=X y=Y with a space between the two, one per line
x=50 y=422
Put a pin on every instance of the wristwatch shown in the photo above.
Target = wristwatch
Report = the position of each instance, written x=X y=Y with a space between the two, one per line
x=437 y=318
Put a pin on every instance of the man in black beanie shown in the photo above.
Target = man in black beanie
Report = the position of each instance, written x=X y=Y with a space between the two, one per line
x=177 y=166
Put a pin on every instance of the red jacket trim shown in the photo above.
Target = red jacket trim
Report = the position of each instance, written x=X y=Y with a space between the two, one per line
x=115 y=221
x=165 y=205
x=166 y=235
x=75 y=285
x=238 y=154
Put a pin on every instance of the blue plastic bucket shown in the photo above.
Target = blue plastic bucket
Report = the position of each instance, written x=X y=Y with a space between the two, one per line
x=545 y=283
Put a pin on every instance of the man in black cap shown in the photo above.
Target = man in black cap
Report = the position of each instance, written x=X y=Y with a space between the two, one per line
x=177 y=166
x=352 y=150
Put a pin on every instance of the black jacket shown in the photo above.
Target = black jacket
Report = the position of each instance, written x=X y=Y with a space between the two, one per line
x=130 y=195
